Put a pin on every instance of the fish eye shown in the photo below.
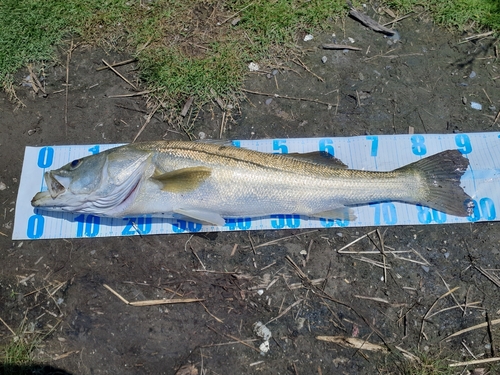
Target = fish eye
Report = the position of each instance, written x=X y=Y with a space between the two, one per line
x=75 y=163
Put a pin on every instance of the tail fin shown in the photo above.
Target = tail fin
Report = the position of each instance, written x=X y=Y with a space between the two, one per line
x=441 y=174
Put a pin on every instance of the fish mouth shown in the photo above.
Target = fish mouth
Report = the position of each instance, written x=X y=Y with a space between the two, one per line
x=39 y=198
x=54 y=186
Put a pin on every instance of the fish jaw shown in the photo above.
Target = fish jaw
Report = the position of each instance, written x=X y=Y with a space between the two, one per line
x=106 y=193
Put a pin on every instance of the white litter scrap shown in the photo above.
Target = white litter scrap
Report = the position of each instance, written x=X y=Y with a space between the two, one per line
x=253 y=67
x=372 y=152
x=308 y=37
x=262 y=331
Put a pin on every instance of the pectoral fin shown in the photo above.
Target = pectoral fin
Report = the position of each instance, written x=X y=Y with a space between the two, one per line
x=182 y=180
x=341 y=213
x=203 y=217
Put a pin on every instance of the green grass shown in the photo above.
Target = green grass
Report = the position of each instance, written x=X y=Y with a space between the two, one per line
x=181 y=49
x=18 y=351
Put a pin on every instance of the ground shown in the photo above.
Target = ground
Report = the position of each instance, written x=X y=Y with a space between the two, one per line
x=426 y=81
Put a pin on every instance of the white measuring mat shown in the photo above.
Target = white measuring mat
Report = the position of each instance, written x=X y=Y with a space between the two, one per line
x=374 y=152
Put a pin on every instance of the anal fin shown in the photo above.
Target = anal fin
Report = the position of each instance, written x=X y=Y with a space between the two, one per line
x=204 y=217
x=340 y=213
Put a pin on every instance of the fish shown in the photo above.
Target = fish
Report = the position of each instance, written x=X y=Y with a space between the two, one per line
x=209 y=183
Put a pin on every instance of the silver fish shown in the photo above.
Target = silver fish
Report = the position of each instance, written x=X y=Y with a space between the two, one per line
x=207 y=183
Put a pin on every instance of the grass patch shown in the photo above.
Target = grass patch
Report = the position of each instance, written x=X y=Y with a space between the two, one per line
x=431 y=363
x=17 y=353
x=189 y=47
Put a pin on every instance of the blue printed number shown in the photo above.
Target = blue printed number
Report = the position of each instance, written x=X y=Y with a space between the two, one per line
x=88 y=225
x=418 y=145
x=140 y=225
x=45 y=157
x=282 y=221
x=183 y=225
x=241 y=223
x=326 y=145
x=279 y=146
x=328 y=223
x=427 y=215
x=463 y=142
x=35 y=226
x=485 y=209
x=94 y=150
x=385 y=211
x=374 y=140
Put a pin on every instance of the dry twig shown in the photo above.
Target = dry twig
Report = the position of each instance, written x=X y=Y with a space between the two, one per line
x=330 y=105
x=152 y=302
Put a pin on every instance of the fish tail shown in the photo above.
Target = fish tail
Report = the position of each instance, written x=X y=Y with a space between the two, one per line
x=441 y=190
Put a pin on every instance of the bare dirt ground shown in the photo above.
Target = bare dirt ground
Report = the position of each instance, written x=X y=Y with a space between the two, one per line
x=424 y=81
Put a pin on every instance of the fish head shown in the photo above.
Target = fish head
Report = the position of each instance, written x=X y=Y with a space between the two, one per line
x=100 y=184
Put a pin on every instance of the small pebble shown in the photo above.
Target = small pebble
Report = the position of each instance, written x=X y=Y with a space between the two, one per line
x=308 y=37
x=464 y=100
x=202 y=135
x=351 y=40
x=269 y=101
x=447 y=255
x=425 y=268
x=324 y=59
x=472 y=74
x=275 y=71
x=3 y=186
x=475 y=105
x=361 y=76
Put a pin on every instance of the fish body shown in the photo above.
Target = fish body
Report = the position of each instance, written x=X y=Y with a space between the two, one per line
x=206 y=183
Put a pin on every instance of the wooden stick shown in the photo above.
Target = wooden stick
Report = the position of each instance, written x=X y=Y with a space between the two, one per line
x=119 y=74
x=148 y=119
x=281 y=239
x=475 y=362
x=340 y=46
x=155 y=302
x=289 y=97
x=132 y=94
x=340 y=251
x=212 y=315
x=286 y=310
x=116 y=294
x=482 y=325
x=5 y=324
x=152 y=302
x=234 y=338
x=309 y=70
x=116 y=64
x=370 y=23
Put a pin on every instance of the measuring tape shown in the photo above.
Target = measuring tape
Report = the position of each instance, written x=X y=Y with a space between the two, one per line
x=373 y=152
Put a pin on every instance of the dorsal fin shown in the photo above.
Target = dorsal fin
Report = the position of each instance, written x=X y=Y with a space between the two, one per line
x=318 y=157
